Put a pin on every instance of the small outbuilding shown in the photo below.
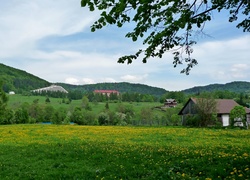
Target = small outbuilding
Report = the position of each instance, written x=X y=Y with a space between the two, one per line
x=11 y=92
x=170 y=103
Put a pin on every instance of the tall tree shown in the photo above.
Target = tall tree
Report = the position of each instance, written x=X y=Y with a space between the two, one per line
x=167 y=24
x=238 y=116
x=206 y=110
x=3 y=103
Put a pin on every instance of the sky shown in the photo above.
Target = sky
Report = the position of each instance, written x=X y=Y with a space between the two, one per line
x=52 y=40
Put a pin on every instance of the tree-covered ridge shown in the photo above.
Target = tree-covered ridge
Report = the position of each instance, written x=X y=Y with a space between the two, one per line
x=236 y=86
x=122 y=87
x=19 y=80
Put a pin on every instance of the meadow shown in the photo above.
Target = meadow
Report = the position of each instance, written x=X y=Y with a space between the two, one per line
x=115 y=152
x=16 y=101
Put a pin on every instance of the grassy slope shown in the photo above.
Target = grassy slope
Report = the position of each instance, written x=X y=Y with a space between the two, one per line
x=16 y=100
x=87 y=152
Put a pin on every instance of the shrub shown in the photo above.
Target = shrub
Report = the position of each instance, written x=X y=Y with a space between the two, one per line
x=192 y=120
x=103 y=118
x=238 y=116
x=89 y=117
x=59 y=116
x=77 y=116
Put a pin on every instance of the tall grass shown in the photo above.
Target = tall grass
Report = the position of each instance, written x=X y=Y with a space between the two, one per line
x=108 y=152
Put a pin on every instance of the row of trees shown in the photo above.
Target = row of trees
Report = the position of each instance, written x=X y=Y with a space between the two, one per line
x=181 y=97
x=98 y=97
x=83 y=115
x=37 y=112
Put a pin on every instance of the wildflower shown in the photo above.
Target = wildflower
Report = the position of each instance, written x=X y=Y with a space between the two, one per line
x=245 y=155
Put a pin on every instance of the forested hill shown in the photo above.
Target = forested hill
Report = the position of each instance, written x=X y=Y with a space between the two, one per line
x=121 y=87
x=21 y=81
x=18 y=80
x=236 y=86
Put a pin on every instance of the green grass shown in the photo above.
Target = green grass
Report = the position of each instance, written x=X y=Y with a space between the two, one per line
x=17 y=100
x=109 y=152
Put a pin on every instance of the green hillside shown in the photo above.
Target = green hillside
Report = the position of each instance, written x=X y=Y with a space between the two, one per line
x=236 y=86
x=21 y=81
x=121 y=87
x=18 y=80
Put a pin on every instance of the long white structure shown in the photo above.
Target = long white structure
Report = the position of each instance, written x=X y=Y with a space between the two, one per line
x=53 y=88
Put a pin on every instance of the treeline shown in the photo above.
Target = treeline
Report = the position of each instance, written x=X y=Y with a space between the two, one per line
x=83 y=114
x=181 y=97
x=123 y=114
x=121 y=87
x=242 y=99
x=237 y=87
x=98 y=97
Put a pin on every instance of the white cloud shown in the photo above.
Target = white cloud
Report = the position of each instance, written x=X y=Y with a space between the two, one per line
x=88 y=81
x=25 y=22
x=223 y=60
x=51 y=39
x=112 y=80
x=134 y=78
x=73 y=81
x=240 y=71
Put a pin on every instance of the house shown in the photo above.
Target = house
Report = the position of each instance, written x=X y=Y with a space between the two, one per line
x=106 y=92
x=53 y=88
x=170 y=103
x=224 y=106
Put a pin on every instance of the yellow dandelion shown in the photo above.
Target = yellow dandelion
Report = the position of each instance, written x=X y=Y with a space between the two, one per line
x=245 y=155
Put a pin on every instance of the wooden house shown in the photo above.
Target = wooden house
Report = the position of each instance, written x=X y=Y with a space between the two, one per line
x=170 y=103
x=223 y=108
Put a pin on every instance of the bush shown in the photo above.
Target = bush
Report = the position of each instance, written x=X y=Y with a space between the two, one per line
x=238 y=116
x=103 y=118
x=21 y=116
x=59 y=116
x=7 y=117
x=192 y=120
x=77 y=117
x=89 y=117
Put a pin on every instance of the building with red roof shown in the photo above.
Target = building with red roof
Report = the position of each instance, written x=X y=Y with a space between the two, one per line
x=107 y=92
